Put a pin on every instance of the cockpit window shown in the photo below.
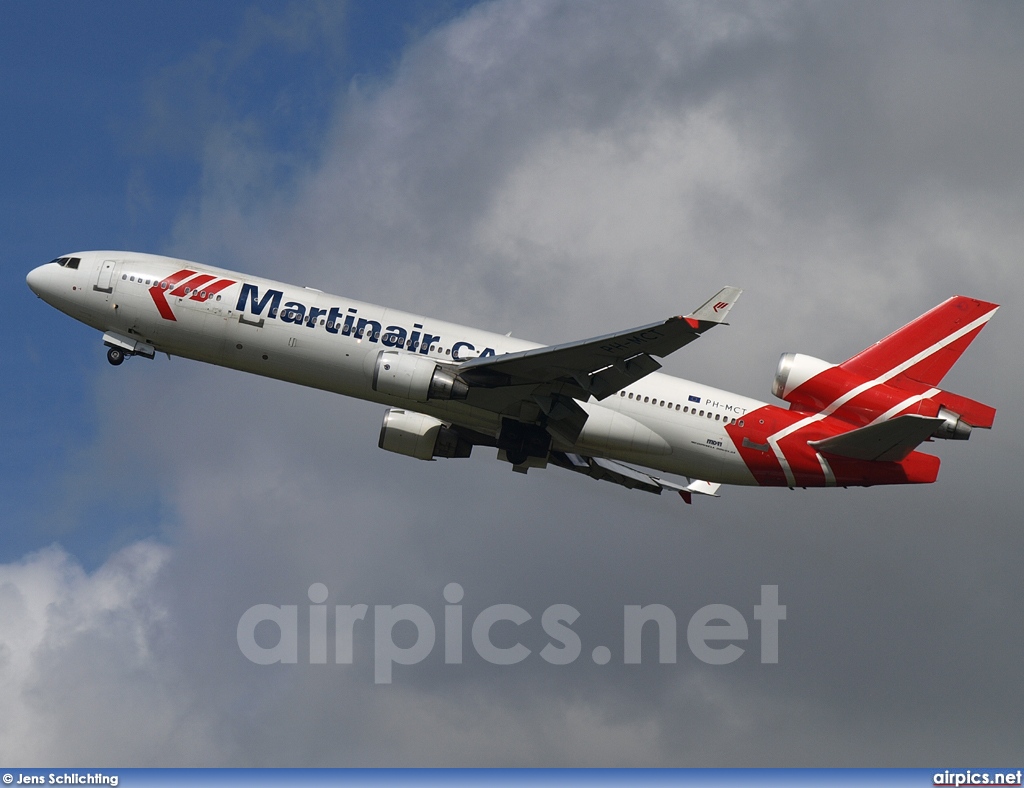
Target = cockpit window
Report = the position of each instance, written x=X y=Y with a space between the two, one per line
x=67 y=262
x=73 y=262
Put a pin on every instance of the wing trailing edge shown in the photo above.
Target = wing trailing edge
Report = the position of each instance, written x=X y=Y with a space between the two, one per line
x=618 y=473
x=601 y=365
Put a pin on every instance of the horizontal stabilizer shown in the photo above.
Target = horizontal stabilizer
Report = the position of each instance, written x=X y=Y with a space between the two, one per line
x=887 y=441
x=975 y=413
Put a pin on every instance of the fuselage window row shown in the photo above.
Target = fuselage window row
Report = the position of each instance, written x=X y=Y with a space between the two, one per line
x=685 y=408
x=203 y=295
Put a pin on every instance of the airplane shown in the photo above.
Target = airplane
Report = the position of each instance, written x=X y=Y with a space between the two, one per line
x=598 y=406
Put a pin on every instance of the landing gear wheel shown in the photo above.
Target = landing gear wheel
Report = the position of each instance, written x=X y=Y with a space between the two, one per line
x=115 y=355
x=516 y=456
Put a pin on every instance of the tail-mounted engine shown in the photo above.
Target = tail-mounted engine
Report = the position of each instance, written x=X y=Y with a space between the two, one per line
x=795 y=369
x=953 y=428
x=416 y=377
x=420 y=436
x=812 y=385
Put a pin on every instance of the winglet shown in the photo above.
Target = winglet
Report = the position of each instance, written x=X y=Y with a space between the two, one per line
x=715 y=309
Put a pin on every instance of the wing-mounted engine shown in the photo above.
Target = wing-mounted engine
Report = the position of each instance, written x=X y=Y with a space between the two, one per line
x=420 y=436
x=416 y=377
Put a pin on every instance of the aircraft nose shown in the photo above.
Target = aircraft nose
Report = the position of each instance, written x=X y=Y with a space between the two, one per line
x=35 y=279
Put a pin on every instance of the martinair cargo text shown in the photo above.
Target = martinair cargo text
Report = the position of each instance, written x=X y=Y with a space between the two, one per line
x=596 y=407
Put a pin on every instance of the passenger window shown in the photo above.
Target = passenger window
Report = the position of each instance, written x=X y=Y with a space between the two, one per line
x=677 y=406
x=718 y=417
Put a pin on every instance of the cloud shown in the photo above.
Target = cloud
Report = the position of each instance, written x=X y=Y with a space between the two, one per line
x=82 y=667
x=562 y=171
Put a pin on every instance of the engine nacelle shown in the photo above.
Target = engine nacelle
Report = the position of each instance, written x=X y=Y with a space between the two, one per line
x=954 y=427
x=416 y=377
x=795 y=369
x=420 y=436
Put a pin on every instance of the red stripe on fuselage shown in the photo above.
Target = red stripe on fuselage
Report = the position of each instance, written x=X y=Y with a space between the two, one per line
x=159 y=296
x=756 y=454
x=193 y=284
x=805 y=468
x=212 y=289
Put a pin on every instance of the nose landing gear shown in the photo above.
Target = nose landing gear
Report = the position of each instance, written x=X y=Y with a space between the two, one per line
x=119 y=347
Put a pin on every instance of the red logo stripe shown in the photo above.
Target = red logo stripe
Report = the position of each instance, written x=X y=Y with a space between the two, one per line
x=213 y=289
x=159 y=298
x=195 y=284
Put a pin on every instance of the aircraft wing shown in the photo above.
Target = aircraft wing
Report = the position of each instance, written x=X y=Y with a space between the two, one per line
x=602 y=365
x=616 y=472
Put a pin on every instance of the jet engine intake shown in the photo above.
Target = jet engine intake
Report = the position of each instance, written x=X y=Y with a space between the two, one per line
x=794 y=369
x=420 y=436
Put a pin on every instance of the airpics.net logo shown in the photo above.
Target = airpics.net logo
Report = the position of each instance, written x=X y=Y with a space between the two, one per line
x=713 y=633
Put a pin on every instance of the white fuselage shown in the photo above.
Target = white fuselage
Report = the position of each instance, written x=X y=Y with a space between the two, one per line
x=332 y=343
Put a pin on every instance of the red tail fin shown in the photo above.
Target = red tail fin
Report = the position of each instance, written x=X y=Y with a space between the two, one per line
x=925 y=349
